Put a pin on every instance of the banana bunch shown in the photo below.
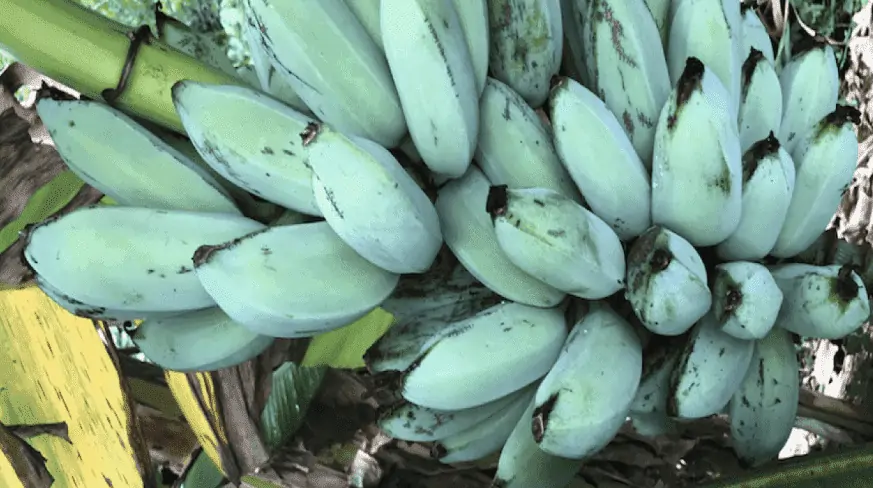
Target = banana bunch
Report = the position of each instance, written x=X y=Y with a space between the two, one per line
x=579 y=213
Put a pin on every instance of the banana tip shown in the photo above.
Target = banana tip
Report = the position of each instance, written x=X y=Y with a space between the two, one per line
x=541 y=418
x=310 y=133
x=846 y=288
x=497 y=200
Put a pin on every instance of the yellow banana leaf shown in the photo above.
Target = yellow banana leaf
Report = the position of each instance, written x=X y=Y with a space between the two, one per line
x=213 y=440
x=344 y=348
x=56 y=368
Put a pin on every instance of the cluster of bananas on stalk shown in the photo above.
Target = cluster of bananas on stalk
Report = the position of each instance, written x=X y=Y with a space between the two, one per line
x=623 y=184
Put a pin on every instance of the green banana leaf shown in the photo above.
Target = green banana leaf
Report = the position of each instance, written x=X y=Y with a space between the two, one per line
x=201 y=473
x=848 y=468
x=292 y=391
x=46 y=201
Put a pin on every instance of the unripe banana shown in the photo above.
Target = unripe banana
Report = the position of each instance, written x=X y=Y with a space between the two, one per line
x=768 y=182
x=496 y=352
x=473 y=15
x=763 y=409
x=666 y=282
x=825 y=160
x=755 y=35
x=123 y=160
x=202 y=340
x=398 y=229
x=708 y=30
x=627 y=69
x=587 y=136
x=557 y=241
x=586 y=396
x=709 y=370
x=469 y=232
x=697 y=166
x=292 y=281
x=92 y=311
x=659 y=360
x=203 y=46
x=745 y=299
x=129 y=258
x=269 y=77
x=367 y=13
x=760 y=100
x=433 y=71
x=260 y=210
x=523 y=464
x=252 y=144
x=660 y=10
x=488 y=435
x=333 y=64
x=810 y=86
x=527 y=43
x=424 y=308
x=515 y=146
x=410 y=422
x=575 y=49
x=826 y=302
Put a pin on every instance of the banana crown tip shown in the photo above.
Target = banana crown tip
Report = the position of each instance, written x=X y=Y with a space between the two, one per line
x=845 y=288
x=689 y=81
x=556 y=82
x=806 y=45
x=438 y=450
x=178 y=88
x=843 y=114
x=759 y=151
x=310 y=133
x=749 y=65
x=203 y=254
x=498 y=198
x=541 y=418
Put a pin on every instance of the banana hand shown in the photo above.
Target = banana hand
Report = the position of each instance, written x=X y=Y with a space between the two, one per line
x=469 y=232
x=588 y=135
x=333 y=64
x=710 y=369
x=825 y=160
x=558 y=241
x=763 y=410
x=666 y=282
x=586 y=396
x=827 y=302
x=252 y=144
x=768 y=182
x=129 y=258
x=398 y=228
x=697 y=166
x=515 y=146
x=745 y=299
x=202 y=340
x=119 y=157
x=292 y=281
x=627 y=71
x=496 y=352
x=527 y=42
x=432 y=68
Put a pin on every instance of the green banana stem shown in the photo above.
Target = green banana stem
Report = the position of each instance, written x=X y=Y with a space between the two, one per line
x=851 y=468
x=85 y=51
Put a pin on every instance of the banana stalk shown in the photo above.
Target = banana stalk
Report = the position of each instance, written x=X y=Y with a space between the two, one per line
x=87 y=52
